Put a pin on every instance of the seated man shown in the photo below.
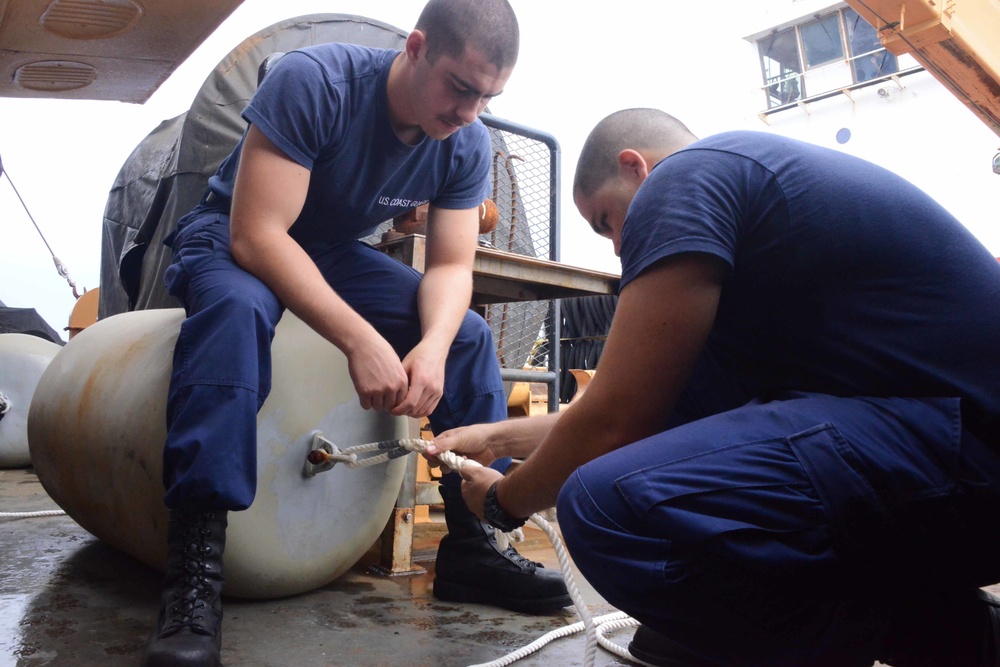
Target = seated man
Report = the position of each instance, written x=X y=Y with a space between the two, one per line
x=341 y=138
x=790 y=453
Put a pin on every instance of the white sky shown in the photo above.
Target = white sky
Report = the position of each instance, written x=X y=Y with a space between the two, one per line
x=579 y=61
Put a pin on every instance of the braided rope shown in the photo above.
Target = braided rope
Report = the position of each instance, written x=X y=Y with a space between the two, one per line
x=623 y=621
x=586 y=618
x=5 y=406
x=26 y=515
x=594 y=628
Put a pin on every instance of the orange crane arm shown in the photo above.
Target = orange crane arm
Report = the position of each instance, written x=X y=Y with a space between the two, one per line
x=955 y=40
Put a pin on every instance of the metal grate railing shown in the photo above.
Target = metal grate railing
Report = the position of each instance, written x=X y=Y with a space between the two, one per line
x=525 y=174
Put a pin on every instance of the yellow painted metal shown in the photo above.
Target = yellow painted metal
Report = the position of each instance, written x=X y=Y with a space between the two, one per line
x=957 y=41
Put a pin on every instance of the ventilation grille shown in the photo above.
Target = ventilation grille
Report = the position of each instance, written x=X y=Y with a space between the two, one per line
x=54 y=75
x=90 y=19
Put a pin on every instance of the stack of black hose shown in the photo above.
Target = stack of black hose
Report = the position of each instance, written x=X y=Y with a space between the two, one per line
x=585 y=324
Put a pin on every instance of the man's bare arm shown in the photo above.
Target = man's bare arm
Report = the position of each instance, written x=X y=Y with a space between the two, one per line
x=485 y=443
x=268 y=196
x=443 y=300
x=661 y=323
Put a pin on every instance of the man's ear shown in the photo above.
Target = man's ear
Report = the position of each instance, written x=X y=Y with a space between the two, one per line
x=633 y=166
x=416 y=42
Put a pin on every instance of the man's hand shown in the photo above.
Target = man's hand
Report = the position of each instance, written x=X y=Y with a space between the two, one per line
x=425 y=370
x=476 y=481
x=377 y=374
x=472 y=442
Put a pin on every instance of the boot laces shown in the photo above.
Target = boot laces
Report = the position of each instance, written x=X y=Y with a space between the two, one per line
x=511 y=554
x=190 y=602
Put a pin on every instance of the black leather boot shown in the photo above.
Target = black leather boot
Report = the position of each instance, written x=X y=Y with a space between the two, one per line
x=471 y=567
x=189 y=632
x=655 y=649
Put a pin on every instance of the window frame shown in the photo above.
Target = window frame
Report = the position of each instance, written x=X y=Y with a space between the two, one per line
x=847 y=57
x=841 y=33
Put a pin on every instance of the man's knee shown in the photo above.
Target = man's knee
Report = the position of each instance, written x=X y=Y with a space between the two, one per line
x=474 y=333
x=472 y=359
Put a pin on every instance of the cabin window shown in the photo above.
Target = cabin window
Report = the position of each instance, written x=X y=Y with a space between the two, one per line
x=779 y=56
x=868 y=58
x=819 y=55
x=821 y=41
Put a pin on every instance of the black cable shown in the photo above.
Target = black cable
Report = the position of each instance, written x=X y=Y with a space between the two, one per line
x=585 y=325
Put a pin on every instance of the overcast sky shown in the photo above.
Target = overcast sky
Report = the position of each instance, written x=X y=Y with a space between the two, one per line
x=579 y=61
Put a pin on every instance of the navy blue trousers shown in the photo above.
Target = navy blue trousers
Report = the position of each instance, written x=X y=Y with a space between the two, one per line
x=787 y=531
x=222 y=361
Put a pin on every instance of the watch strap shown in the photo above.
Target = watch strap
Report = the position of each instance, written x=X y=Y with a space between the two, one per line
x=497 y=516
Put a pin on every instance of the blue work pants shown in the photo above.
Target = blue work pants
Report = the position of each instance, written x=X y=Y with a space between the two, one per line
x=787 y=531
x=222 y=361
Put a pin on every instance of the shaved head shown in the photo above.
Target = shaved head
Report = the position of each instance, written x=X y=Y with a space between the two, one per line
x=489 y=26
x=643 y=130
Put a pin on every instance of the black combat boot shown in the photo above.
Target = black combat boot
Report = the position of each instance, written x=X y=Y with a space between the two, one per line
x=471 y=567
x=655 y=649
x=189 y=632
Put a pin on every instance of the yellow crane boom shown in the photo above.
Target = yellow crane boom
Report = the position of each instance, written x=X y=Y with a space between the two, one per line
x=957 y=41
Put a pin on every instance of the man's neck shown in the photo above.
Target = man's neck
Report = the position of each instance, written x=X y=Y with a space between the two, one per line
x=401 y=114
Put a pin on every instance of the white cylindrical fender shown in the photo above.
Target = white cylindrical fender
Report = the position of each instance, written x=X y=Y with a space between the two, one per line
x=96 y=432
x=23 y=359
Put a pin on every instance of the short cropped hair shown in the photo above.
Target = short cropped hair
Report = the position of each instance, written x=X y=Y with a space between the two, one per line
x=637 y=129
x=489 y=26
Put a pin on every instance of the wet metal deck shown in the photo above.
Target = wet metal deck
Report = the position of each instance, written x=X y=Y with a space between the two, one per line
x=68 y=600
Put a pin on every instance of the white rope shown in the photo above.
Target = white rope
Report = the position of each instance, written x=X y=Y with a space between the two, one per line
x=60 y=267
x=5 y=406
x=26 y=515
x=594 y=628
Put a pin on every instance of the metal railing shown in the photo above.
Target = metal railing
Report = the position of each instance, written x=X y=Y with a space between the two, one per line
x=895 y=76
x=798 y=81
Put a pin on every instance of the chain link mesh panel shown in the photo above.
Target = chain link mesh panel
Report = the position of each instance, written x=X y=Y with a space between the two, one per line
x=524 y=172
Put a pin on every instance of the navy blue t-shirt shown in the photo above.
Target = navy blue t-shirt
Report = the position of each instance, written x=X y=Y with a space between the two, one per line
x=845 y=278
x=326 y=107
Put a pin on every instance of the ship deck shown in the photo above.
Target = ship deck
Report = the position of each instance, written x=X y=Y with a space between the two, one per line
x=67 y=599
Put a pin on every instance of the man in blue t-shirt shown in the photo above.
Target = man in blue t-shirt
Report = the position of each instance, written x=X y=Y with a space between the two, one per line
x=340 y=138
x=790 y=454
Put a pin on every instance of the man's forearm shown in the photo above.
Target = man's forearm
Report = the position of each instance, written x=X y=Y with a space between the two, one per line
x=573 y=438
x=520 y=437
x=443 y=299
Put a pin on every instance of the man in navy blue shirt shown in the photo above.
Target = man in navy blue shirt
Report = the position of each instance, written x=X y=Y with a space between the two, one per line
x=790 y=453
x=340 y=138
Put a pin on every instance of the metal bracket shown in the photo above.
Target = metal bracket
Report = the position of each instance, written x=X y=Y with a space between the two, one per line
x=322 y=451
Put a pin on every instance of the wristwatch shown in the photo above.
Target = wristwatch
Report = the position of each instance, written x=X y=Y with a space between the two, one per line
x=497 y=516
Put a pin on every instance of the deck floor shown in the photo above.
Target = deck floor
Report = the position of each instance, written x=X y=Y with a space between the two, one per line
x=69 y=600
